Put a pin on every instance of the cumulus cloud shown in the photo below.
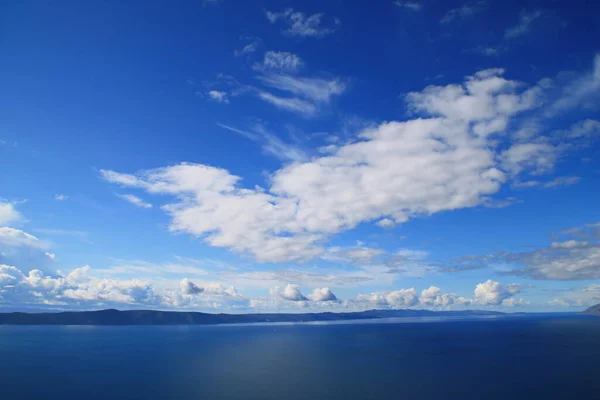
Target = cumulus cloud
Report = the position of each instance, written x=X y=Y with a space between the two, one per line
x=37 y=288
x=136 y=201
x=24 y=250
x=80 y=288
x=406 y=298
x=83 y=288
x=322 y=294
x=8 y=213
x=447 y=160
x=289 y=292
x=189 y=287
x=433 y=296
x=300 y=24
x=493 y=293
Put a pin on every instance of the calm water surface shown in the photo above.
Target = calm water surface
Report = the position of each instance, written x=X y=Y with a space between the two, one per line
x=554 y=357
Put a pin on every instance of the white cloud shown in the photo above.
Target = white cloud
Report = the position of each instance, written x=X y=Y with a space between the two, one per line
x=403 y=298
x=309 y=93
x=562 y=262
x=16 y=237
x=582 y=92
x=356 y=255
x=409 y=5
x=489 y=51
x=311 y=278
x=493 y=293
x=465 y=11
x=515 y=302
x=218 y=96
x=280 y=61
x=429 y=295
x=581 y=130
x=8 y=213
x=247 y=49
x=554 y=183
x=569 y=244
x=302 y=25
x=136 y=201
x=24 y=250
x=538 y=157
x=82 y=289
x=393 y=171
x=386 y=223
x=581 y=297
x=525 y=20
x=315 y=89
x=290 y=292
x=61 y=197
x=189 y=287
x=486 y=98
x=298 y=106
x=577 y=258
x=271 y=143
x=322 y=294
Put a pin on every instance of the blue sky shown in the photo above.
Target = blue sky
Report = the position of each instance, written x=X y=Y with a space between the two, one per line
x=250 y=156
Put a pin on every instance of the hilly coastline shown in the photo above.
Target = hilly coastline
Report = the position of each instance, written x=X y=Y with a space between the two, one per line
x=151 y=317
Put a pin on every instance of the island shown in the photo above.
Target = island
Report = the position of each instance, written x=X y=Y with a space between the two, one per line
x=593 y=310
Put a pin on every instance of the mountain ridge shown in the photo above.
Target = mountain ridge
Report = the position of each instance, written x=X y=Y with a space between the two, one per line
x=155 y=317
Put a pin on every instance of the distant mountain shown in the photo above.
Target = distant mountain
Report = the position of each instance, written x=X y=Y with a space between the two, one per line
x=594 y=310
x=150 y=317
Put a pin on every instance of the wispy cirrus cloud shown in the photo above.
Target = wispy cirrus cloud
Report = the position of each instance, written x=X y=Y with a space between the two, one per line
x=300 y=24
x=293 y=104
x=409 y=5
x=463 y=12
x=136 y=201
x=554 y=183
x=526 y=19
x=248 y=48
x=271 y=143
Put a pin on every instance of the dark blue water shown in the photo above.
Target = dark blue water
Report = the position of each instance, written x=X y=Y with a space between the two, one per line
x=516 y=358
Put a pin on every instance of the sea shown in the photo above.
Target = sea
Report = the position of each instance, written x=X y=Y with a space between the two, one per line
x=553 y=356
